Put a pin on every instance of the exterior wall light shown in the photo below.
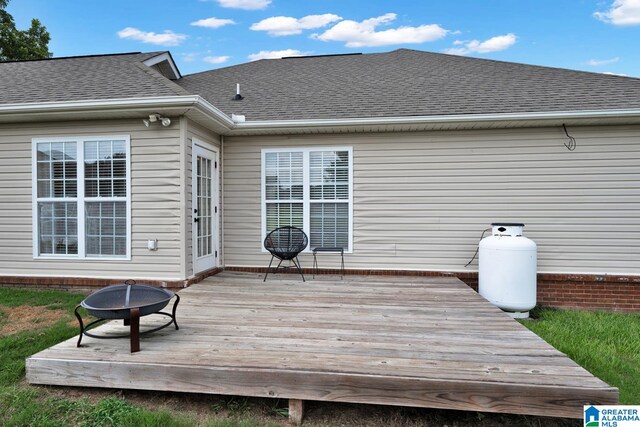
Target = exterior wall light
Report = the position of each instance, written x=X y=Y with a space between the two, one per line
x=166 y=121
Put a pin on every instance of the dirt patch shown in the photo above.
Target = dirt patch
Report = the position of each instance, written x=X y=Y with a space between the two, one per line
x=27 y=317
x=204 y=409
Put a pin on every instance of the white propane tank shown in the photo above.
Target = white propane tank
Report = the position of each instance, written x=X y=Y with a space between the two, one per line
x=507 y=268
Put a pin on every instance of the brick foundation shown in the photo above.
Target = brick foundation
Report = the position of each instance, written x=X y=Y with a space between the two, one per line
x=575 y=291
x=88 y=284
x=584 y=292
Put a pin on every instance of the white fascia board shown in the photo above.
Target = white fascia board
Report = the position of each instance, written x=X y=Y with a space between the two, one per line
x=413 y=120
x=166 y=56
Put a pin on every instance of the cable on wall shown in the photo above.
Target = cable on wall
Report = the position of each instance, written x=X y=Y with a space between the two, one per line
x=571 y=145
x=478 y=248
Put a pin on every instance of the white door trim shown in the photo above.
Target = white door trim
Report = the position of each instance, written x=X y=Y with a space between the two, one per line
x=203 y=149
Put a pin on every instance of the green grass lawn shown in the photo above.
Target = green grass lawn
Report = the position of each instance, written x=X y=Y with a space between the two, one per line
x=16 y=347
x=606 y=344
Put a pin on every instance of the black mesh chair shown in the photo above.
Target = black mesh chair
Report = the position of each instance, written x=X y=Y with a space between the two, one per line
x=285 y=243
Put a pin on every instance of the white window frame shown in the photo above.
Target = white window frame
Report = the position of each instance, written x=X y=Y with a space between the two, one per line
x=306 y=199
x=81 y=200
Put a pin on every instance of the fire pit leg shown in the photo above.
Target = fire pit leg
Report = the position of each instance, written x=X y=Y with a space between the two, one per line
x=173 y=315
x=135 y=329
x=81 y=324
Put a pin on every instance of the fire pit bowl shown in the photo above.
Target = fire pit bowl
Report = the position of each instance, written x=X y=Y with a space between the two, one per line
x=116 y=301
x=127 y=301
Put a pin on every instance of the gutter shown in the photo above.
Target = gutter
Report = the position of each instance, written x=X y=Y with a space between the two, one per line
x=229 y=127
x=122 y=104
x=444 y=119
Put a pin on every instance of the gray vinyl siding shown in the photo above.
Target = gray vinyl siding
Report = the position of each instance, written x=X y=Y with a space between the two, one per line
x=155 y=203
x=194 y=130
x=421 y=200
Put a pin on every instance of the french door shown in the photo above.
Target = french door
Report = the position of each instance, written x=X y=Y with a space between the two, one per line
x=205 y=207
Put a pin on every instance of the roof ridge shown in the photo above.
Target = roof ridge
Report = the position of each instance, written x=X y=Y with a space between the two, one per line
x=419 y=52
x=324 y=55
x=499 y=61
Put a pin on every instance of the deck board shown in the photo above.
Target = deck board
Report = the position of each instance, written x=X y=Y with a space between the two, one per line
x=423 y=341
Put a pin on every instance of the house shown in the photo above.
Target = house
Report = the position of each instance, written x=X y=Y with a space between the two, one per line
x=117 y=166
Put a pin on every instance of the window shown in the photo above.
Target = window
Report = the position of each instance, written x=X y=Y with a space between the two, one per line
x=81 y=200
x=309 y=189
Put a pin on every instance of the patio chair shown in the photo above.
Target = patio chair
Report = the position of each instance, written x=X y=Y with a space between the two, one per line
x=285 y=243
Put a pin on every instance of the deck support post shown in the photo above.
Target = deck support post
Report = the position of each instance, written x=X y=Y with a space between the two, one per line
x=296 y=411
x=134 y=320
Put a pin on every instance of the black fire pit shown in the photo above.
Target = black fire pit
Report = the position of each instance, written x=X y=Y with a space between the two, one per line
x=129 y=302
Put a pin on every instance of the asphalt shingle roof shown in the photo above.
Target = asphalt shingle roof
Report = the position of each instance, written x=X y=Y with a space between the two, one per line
x=399 y=83
x=405 y=83
x=83 y=78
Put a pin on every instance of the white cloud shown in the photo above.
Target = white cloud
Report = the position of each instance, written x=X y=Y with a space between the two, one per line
x=189 y=57
x=609 y=73
x=493 y=44
x=167 y=38
x=216 y=59
x=287 y=26
x=213 y=22
x=245 y=4
x=360 y=34
x=274 y=54
x=599 y=62
x=621 y=12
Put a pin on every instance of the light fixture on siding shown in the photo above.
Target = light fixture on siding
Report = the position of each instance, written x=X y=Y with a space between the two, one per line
x=166 y=121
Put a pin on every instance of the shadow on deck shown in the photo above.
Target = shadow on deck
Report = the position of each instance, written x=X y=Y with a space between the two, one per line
x=408 y=341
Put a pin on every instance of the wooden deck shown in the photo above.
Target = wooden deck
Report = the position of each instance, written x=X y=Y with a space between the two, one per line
x=410 y=341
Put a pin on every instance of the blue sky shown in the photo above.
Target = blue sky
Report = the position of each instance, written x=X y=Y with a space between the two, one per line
x=591 y=35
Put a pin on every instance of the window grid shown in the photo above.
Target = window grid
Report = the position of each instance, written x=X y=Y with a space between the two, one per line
x=58 y=228
x=282 y=214
x=329 y=175
x=105 y=169
x=284 y=176
x=329 y=225
x=57 y=170
x=90 y=178
x=105 y=228
x=309 y=189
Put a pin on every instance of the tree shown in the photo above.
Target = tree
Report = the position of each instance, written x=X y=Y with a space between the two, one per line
x=18 y=45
